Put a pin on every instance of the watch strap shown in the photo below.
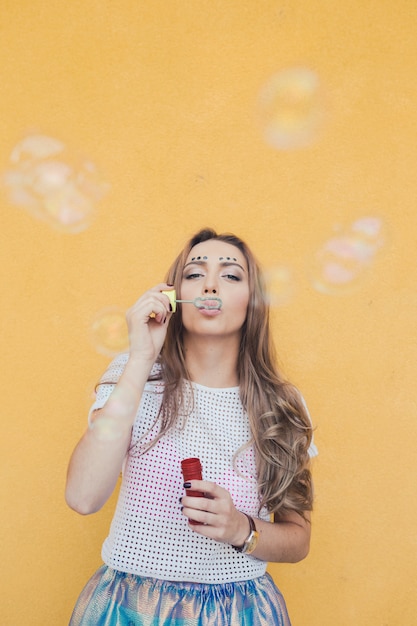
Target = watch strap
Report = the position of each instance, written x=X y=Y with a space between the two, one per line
x=251 y=540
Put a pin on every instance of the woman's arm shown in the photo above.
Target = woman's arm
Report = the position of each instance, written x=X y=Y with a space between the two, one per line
x=97 y=460
x=286 y=540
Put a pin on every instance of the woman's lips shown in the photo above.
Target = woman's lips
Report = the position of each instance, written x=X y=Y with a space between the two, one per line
x=209 y=312
x=210 y=304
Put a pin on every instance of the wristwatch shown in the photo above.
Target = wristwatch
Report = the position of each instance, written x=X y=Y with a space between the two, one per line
x=251 y=540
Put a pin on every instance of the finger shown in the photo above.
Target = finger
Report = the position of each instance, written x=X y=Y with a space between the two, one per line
x=162 y=288
x=199 y=515
x=199 y=504
x=157 y=307
x=164 y=299
x=207 y=487
x=157 y=315
x=154 y=292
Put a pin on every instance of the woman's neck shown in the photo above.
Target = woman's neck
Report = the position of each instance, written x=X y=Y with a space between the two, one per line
x=212 y=363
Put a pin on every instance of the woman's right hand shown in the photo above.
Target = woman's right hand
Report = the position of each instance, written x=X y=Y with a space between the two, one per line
x=147 y=322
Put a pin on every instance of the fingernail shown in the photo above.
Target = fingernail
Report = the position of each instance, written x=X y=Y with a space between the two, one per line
x=170 y=306
x=187 y=485
x=180 y=499
x=169 y=285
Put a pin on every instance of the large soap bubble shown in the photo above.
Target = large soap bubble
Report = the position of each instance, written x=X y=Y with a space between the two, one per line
x=291 y=108
x=343 y=261
x=115 y=418
x=279 y=282
x=109 y=332
x=52 y=184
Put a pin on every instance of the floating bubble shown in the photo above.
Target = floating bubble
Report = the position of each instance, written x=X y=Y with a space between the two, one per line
x=106 y=427
x=291 y=108
x=109 y=332
x=52 y=184
x=36 y=146
x=343 y=261
x=370 y=230
x=280 y=284
x=111 y=422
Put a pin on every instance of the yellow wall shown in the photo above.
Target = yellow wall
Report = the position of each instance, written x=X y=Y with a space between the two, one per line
x=161 y=96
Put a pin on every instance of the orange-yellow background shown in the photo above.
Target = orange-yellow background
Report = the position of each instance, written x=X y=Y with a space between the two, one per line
x=161 y=95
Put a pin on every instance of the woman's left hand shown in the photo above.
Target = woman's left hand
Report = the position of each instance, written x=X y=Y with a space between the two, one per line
x=219 y=518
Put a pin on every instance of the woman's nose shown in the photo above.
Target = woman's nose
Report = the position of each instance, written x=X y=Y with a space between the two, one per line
x=210 y=290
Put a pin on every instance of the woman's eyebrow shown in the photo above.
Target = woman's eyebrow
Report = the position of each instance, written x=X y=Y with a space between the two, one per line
x=222 y=263
x=227 y=263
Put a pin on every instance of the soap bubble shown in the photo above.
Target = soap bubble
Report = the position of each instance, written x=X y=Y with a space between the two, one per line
x=109 y=331
x=345 y=259
x=369 y=230
x=106 y=427
x=111 y=422
x=279 y=284
x=291 y=108
x=37 y=147
x=52 y=184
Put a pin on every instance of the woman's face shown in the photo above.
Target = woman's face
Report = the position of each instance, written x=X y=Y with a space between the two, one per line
x=215 y=269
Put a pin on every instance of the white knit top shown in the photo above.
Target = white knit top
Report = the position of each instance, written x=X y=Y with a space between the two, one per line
x=149 y=535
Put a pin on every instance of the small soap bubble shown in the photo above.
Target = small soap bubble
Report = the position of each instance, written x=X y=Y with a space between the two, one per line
x=343 y=261
x=106 y=427
x=110 y=422
x=370 y=230
x=291 y=108
x=279 y=283
x=119 y=404
x=52 y=184
x=109 y=331
x=36 y=146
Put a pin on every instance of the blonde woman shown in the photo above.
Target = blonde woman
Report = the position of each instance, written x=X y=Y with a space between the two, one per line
x=201 y=382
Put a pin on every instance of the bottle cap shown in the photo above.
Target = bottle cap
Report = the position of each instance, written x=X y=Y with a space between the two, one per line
x=191 y=469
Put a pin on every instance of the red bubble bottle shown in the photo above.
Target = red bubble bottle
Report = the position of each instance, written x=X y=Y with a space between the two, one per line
x=192 y=470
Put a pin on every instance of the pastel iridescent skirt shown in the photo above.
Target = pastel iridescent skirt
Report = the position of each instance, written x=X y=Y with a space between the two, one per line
x=112 y=598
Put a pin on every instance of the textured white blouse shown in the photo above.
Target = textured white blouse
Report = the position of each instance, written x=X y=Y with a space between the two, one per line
x=149 y=536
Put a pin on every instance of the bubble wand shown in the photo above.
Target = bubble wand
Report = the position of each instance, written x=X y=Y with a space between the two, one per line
x=206 y=302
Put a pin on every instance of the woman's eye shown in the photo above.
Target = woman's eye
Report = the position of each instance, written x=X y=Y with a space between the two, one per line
x=193 y=275
x=232 y=277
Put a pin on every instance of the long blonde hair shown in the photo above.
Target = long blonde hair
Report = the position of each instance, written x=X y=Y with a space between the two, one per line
x=279 y=422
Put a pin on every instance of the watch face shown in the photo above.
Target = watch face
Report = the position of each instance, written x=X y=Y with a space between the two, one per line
x=251 y=542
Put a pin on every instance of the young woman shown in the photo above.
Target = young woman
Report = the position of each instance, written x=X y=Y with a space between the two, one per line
x=199 y=382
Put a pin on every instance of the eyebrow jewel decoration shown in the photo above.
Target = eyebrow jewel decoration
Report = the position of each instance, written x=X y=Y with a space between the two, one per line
x=221 y=258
